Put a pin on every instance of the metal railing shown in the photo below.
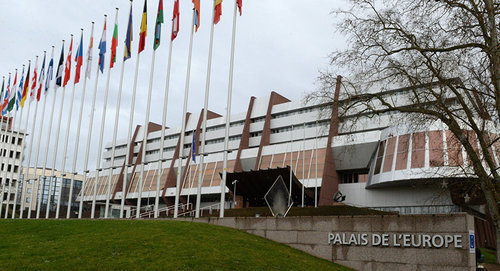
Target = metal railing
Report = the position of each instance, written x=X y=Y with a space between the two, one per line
x=210 y=208
x=150 y=214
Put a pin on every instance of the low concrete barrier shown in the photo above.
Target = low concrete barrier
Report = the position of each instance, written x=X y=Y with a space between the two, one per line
x=404 y=242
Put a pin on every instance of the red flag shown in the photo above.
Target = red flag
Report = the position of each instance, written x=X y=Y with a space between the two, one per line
x=79 y=60
x=67 y=70
x=218 y=11
x=175 y=20
x=239 y=5
x=144 y=28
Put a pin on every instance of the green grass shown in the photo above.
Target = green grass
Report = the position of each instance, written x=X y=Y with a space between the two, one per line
x=142 y=245
x=489 y=255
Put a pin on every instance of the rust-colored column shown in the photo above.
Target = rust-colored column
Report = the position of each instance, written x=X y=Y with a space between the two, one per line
x=245 y=136
x=330 y=179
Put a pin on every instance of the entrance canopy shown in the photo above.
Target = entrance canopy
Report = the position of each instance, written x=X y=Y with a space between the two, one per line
x=253 y=185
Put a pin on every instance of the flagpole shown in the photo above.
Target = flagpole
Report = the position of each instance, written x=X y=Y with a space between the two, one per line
x=29 y=156
x=9 y=140
x=164 y=123
x=103 y=122
x=228 y=116
x=16 y=142
x=89 y=139
x=204 y=123
x=75 y=155
x=4 y=135
x=181 y=145
x=115 y=131
x=129 y=137
x=39 y=195
x=21 y=211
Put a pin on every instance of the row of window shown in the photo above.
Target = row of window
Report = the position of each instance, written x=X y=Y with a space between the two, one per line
x=298 y=127
x=5 y=139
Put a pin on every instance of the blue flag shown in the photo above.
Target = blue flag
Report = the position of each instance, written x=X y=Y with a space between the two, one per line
x=50 y=71
x=102 y=48
x=193 y=146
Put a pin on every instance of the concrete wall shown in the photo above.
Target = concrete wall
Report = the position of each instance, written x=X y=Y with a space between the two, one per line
x=310 y=234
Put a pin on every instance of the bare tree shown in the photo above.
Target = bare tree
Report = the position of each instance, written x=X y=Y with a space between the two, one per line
x=448 y=55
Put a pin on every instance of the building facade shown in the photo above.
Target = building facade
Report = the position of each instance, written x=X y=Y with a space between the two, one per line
x=377 y=161
x=11 y=149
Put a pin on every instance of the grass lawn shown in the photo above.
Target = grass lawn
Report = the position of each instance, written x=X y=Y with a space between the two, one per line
x=139 y=245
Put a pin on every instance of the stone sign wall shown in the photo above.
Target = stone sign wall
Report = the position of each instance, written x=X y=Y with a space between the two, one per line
x=405 y=242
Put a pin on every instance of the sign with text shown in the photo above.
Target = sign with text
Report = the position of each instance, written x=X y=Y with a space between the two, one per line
x=415 y=240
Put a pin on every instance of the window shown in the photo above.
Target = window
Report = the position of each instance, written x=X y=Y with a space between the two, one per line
x=19 y=141
x=18 y=155
x=28 y=200
x=380 y=156
x=28 y=191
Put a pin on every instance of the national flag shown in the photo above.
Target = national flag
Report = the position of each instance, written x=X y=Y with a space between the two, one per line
x=60 y=68
x=128 y=39
x=67 y=70
x=218 y=11
x=34 y=82
x=175 y=20
x=89 y=54
x=79 y=60
x=41 y=80
x=5 y=98
x=26 y=86
x=159 y=21
x=3 y=85
x=19 y=94
x=239 y=2
x=50 y=71
x=196 y=14
x=102 y=48
x=11 y=100
x=144 y=28
x=114 y=44
x=193 y=146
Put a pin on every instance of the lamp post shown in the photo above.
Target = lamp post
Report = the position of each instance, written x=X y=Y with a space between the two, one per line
x=234 y=196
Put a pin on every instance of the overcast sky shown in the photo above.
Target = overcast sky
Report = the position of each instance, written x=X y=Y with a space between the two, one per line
x=280 y=45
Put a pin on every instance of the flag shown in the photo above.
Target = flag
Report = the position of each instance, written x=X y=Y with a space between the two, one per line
x=67 y=70
x=12 y=96
x=34 y=82
x=144 y=28
x=89 y=54
x=218 y=11
x=159 y=21
x=3 y=84
x=79 y=60
x=193 y=146
x=60 y=68
x=25 y=87
x=5 y=98
x=42 y=70
x=19 y=94
x=196 y=14
x=102 y=48
x=128 y=38
x=239 y=5
x=50 y=71
x=114 y=44
x=175 y=20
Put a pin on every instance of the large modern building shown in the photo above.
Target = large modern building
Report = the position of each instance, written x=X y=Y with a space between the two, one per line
x=11 y=149
x=377 y=161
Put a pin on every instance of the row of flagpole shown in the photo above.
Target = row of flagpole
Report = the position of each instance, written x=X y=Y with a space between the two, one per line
x=216 y=12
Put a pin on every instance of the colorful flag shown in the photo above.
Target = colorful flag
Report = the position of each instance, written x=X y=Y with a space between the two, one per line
x=34 y=82
x=196 y=14
x=89 y=54
x=19 y=94
x=12 y=95
x=5 y=98
x=175 y=20
x=26 y=86
x=79 y=60
x=218 y=11
x=114 y=44
x=60 y=68
x=40 y=80
x=144 y=28
x=193 y=146
x=128 y=38
x=239 y=5
x=102 y=48
x=159 y=21
x=50 y=71
x=67 y=70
